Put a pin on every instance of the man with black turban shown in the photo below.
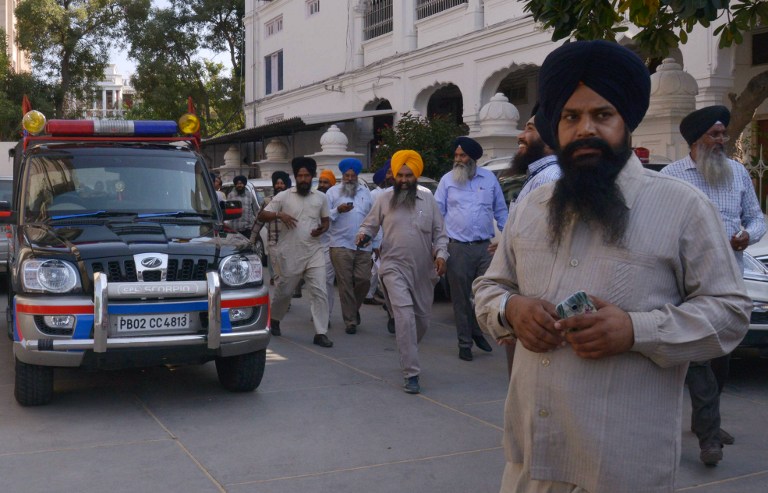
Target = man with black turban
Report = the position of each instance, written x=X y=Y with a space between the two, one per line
x=299 y=253
x=595 y=396
x=244 y=224
x=727 y=184
x=470 y=198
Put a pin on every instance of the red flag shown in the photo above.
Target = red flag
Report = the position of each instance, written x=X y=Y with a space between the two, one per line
x=26 y=106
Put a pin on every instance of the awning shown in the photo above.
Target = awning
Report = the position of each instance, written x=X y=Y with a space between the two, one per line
x=292 y=125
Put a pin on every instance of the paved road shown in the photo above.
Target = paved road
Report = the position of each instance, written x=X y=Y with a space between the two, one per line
x=323 y=420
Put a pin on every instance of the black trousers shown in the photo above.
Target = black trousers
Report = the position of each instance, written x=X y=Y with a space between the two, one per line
x=705 y=380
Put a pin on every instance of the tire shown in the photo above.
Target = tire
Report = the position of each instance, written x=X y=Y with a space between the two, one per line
x=242 y=373
x=34 y=384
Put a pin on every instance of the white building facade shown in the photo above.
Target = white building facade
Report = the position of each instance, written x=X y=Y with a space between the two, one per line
x=113 y=96
x=308 y=57
x=19 y=58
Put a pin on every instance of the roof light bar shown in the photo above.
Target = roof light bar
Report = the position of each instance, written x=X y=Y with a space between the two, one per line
x=147 y=128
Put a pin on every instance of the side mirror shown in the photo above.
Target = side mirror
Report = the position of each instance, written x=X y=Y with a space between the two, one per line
x=7 y=215
x=233 y=209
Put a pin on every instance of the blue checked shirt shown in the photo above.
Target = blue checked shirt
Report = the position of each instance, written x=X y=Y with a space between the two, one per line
x=469 y=209
x=540 y=172
x=738 y=204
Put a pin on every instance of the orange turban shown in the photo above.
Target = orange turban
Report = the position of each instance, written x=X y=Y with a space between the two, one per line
x=409 y=158
x=328 y=175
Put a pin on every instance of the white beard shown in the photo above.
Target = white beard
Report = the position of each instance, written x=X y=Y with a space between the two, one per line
x=463 y=173
x=349 y=189
x=714 y=165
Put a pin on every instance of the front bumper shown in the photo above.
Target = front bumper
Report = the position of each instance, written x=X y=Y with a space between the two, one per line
x=95 y=333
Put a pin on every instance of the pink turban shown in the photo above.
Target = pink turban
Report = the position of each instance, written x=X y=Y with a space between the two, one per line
x=409 y=158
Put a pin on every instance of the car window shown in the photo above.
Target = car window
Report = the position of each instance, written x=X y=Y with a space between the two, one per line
x=6 y=190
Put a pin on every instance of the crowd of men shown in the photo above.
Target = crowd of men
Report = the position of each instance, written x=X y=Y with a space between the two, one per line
x=654 y=261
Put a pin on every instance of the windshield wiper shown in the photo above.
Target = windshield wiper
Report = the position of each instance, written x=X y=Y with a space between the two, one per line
x=96 y=214
x=174 y=214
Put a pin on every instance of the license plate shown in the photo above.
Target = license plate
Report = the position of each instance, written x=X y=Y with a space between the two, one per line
x=141 y=323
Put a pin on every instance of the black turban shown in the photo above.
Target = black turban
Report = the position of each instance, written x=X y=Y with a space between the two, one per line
x=281 y=175
x=609 y=69
x=697 y=123
x=543 y=128
x=470 y=147
x=304 y=162
x=240 y=178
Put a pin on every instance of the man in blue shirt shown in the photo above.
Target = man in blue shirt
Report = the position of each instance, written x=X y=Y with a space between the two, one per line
x=469 y=198
x=349 y=203
x=728 y=184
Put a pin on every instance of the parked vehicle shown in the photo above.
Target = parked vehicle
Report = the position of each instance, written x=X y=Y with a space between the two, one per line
x=118 y=258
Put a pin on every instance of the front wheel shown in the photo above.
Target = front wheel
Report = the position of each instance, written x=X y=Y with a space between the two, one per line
x=34 y=384
x=242 y=373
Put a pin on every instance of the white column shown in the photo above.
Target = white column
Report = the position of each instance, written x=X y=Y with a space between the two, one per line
x=103 y=103
x=475 y=12
x=403 y=25
x=358 y=12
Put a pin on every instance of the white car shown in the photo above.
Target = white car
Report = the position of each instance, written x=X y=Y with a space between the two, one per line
x=756 y=279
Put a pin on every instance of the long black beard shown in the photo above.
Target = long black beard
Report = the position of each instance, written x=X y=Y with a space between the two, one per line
x=588 y=190
x=403 y=197
x=303 y=188
x=240 y=192
x=533 y=153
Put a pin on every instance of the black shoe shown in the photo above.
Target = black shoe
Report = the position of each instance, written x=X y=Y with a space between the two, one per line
x=711 y=454
x=274 y=326
x=372 y=301
x=725 y=437
x=482 y=344
x=322 y=340
x=358 y=318
x=351 y=329
x=411 y=385
x=391 y=325
x=465 y=353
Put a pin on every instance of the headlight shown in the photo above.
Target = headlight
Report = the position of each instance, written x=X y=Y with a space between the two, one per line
x=237 y=270
x=53 y=276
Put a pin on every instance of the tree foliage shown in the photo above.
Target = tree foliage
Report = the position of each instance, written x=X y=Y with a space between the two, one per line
x=69 y=42
x=662 y=25
x=432 y=138
x=166 y=42
x=13 y=87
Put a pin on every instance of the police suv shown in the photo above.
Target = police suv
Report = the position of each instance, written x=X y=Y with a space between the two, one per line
x=118 y=257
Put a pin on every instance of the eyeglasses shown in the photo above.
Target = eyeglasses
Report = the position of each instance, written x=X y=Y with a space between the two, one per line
x=724 y=137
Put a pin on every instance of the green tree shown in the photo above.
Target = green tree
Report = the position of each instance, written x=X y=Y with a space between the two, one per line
x=432 y=138
x=13 y=87
x=69 y=41
x=663 y=25
x=165 y=43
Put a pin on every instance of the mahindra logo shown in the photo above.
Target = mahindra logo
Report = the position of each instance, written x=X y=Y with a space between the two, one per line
x=151 y=262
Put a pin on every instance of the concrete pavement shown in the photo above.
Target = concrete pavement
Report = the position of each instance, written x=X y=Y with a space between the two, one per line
x=322 y=420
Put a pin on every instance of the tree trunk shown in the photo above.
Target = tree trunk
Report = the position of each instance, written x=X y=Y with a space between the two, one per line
x=744 y=105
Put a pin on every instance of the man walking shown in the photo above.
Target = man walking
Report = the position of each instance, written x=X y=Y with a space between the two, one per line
x=350 y=202
x=728 y=185
x=594 y=402
x=299 y=252
x=413 y=230
x=280 y=182
x=324 y=183
x=469 y=198
x=244 y=224
x=381 y=181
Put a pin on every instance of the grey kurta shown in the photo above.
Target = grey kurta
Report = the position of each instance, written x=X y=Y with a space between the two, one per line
x=612 y=425
x=411 y=239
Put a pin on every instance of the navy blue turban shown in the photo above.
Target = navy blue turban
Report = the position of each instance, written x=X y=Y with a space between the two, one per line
x=350 y=163
x=304 y=162
x=697 y=123
x=281 y=175
x=470 y=147
x=381 y=175
x=240 y=178
x=609 y=69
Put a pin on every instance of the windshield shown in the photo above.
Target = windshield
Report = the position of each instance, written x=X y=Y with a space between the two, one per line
x=104 y=181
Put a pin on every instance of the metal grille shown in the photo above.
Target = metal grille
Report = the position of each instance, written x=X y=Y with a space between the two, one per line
x=178 y=270
x=425 y=8
x=378 y=18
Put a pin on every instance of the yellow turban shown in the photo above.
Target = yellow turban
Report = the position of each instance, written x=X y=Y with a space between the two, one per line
x=328 y=175
x=409 y=158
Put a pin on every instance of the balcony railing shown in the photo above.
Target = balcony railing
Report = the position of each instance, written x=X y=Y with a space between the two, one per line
x=378 y=18
x=425 y=8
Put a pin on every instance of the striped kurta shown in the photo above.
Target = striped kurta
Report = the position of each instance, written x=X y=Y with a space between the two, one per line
x=613 y=425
